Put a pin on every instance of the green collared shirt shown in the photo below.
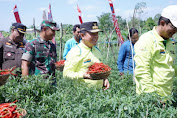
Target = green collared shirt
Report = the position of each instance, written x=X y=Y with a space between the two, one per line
x=78 y=60
x=155 y=64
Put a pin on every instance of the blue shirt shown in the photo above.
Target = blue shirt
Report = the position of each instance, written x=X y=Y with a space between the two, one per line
x=69 y=44
x=124 y=60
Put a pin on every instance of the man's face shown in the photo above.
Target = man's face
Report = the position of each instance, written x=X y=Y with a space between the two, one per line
x=169 y=30
x=90 y=39
x=17 y=36
x=49 y=33
x=135 y=38
x=77 y=34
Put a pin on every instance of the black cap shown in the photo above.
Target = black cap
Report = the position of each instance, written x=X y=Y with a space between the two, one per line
x=20 y=27
x=90 y=27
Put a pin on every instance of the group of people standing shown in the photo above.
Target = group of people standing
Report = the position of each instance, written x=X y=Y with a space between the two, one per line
x=152 y=55
x=38 y=56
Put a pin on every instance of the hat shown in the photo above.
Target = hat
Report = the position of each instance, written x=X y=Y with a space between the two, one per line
x=51 y=24
x=90 y=27
x=20 y=27
x=170 y=12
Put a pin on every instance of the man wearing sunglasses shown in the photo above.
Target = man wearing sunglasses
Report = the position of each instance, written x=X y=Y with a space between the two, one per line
x=155 y=56
x=40 y=53
x=11 y=47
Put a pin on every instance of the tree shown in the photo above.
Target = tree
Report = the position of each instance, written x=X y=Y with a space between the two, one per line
x=139 y=7
x=149 y=24
x=105 y=22
x=122 y=23
x=67 y=29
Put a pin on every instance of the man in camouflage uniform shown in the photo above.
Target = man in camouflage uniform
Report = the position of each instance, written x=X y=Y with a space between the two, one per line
x=40 y=54
x=11 y=48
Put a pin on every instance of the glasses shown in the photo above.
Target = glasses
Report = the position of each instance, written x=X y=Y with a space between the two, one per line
x=173 y=27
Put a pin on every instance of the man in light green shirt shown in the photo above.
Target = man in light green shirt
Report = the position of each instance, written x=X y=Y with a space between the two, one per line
x=83 y=55
x=155 y=56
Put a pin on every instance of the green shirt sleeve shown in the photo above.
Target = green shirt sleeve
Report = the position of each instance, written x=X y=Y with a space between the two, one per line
x=143 y=56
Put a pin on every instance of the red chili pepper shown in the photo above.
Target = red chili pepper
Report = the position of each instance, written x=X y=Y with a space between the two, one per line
x=61 y=62
x=98 y=68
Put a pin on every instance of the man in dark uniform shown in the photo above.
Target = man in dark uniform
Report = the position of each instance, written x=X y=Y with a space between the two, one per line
x=11 y=47
x=40 y=54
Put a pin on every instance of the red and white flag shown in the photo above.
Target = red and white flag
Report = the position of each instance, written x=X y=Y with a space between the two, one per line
x=50 y=13
x=51 y=19
x=116 y=25
x=79 y=11
x=16 y=14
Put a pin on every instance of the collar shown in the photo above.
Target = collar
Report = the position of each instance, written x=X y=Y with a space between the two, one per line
x=84 y=46
x=42 y=40
x=76 y=41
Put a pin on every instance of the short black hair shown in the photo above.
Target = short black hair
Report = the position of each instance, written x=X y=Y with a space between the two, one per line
x=164 y=19
x=75 y=26
x=132 y=31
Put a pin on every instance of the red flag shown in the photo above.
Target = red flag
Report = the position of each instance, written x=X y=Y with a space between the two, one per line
x=116 y=25
x=50 y=13
x=16 y=14
x=51 y=19
x=79 y=11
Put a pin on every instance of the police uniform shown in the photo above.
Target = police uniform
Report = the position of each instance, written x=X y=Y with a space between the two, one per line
x=41 y=55
x=10 y=53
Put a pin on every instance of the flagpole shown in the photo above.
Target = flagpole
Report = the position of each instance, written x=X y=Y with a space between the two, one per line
x=116 y=25
x=131 y=51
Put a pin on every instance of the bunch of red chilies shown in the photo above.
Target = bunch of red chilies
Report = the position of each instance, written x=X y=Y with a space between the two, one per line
x=9 y=110
x=98 y=68
x=7 y=71
x=61 y=62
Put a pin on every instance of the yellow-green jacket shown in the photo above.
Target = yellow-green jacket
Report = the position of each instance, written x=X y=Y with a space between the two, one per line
x=78 y=60
x=155 y=64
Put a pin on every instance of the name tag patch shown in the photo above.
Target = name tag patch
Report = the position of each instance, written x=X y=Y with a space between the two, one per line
x=162 y=51
x=88 y=60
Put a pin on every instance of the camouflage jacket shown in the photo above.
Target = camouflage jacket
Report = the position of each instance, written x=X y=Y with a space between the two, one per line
x=42 y=55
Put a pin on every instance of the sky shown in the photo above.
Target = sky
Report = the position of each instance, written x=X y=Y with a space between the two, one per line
x=65 y=11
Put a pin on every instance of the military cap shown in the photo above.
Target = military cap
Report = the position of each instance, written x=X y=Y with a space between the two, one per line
x=51 y=24
x=20 y=27
x=90 y=27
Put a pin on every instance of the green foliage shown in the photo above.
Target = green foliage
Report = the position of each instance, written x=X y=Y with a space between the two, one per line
x=149 y=24
x=105 y=22
x=70 y=98
x=5 y=34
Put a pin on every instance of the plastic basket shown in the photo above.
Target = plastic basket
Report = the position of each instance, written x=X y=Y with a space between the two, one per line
x=3 y=79
x=99 y=76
